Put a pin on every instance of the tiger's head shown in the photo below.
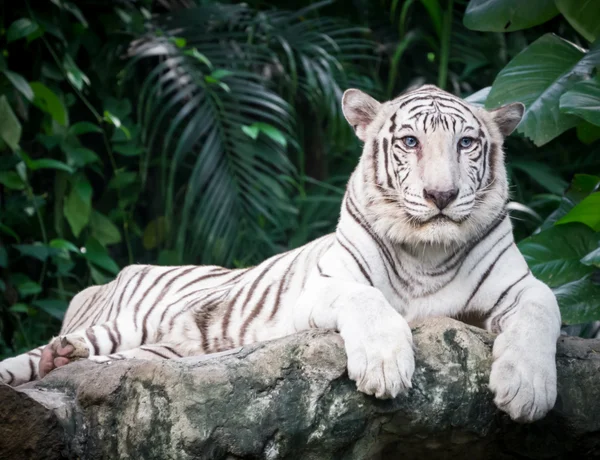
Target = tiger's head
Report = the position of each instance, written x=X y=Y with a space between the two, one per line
x=432 y=165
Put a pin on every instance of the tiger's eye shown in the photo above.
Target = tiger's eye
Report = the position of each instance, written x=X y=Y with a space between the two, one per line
x=410 y=141
x=465 y=142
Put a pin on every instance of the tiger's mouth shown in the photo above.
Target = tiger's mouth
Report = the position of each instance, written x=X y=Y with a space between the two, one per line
x=443 y=218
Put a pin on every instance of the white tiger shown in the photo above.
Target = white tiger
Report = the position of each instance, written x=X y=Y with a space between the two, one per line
x=423 y=231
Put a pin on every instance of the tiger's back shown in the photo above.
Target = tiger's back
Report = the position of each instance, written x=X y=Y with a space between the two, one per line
x=218 y=308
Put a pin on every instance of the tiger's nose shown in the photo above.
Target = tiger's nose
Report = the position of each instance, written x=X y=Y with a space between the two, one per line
x=440 y=198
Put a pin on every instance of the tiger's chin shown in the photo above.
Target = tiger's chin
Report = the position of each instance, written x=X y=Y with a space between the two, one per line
x=439 y=230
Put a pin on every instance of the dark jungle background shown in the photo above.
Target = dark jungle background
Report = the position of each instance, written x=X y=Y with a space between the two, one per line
x=206 y=132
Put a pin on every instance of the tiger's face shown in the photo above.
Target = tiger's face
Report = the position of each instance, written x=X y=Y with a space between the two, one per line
x=432 y=164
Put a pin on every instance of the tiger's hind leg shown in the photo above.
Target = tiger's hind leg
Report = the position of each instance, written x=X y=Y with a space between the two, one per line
x=99 y=340
x=22 y=368
x=61 y=351
x=163 y=350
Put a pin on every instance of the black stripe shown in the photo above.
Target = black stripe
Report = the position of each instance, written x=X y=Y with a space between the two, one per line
x=145 y=295
x=380 y=247
x=32 y=371
x=222 y=271
x=203 y=318
x=254 y=313
x=156 y=353
x=161 y=296
x=82 y=310
x=112 y=338
x=93 y=340
x=113 y=303
x=117 y=331
x=495 y=323
x=505 y=292
x=484 y=163
x=172 y=351
x=321 y=271
x=167 y=309
x=487 y=273
x=283 y=283
x=135 y=275
x=375 y=153
x=463 y=252
x=504 y=235
x=393 y=120
x=362 y=269
x=386 y=155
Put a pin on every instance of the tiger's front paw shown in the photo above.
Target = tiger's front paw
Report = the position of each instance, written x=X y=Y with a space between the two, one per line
x=381 y=360
x=61 y=351
x=524 y=385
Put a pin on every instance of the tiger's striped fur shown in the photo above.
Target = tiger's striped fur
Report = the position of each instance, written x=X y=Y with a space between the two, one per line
x=423 y=231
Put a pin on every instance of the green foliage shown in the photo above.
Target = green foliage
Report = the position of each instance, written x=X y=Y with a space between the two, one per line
x=149 y=132
x=538 y=77
x=555 y=79
x=508 y=15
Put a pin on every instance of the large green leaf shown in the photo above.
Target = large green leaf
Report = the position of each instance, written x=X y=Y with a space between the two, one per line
x=554 y=255
x=38 y=250
x=46 y=100
x=103 y=229
x=579 y=301
x=583 y=15
x=587 y=212
x=48 y=163
x=10 y=127
x=583 y=100
x=11 y=180
x=97 y=255
x=61 y=244
x=20 y=83
x=542 y=174
x=593 y=258
x=54 y=307
x=581 y=186
x=25 y=285
x=507 y=15
x=84 y=127
x=78 y=156
x=538 y=77
x=21 y=28
x=78 y=205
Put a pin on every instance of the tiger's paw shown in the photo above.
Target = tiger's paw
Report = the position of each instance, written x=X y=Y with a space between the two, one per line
x=61 y=351
x=524 y=386
x=382 y=364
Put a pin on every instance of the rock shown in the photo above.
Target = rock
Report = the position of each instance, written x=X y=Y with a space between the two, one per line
x=291 y=399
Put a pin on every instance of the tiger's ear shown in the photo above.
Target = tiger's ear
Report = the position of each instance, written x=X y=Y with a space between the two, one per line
x=508 y=117
x=359 y=109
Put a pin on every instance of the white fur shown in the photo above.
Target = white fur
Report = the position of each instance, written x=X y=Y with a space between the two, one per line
x=387 y=264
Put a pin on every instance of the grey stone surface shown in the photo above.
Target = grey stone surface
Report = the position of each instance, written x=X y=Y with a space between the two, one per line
x=291 y=399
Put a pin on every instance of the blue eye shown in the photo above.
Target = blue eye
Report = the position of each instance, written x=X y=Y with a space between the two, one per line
x=465 y=142
x=410 y=141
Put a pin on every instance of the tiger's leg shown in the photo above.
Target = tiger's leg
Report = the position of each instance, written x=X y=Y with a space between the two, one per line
x=25 y=368
x=60 y=353
x=99 y=340
x=523 y=376
x=163 y=350
x=22 y=368
x=377 y=338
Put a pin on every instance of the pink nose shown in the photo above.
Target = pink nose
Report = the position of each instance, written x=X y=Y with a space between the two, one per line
x=440 y=198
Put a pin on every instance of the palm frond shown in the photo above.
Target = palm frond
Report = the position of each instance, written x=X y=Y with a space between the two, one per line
x=211 y=72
